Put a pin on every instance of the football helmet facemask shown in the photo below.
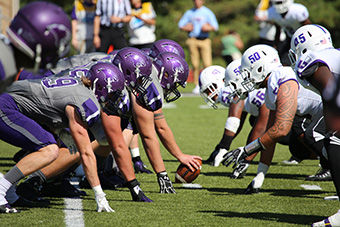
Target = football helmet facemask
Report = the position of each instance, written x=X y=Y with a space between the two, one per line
x=210 y=82
x=257 y=63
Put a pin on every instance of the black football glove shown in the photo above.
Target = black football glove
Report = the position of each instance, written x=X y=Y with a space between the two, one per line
x=165 y=184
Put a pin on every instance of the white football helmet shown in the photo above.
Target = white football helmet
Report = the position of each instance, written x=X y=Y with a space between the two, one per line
x=234 y=80
x=281 y=6
x=211 y=82
x=311 y=37
x=257 y=63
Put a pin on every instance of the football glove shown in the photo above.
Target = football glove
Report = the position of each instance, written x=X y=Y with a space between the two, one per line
x=234 y=156
x=240 y=170
x=165 y=183
x=136 y=192
x=102 y=203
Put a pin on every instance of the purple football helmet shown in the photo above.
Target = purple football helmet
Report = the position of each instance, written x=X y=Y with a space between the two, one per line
x=166 y=45
x=42 y=31
x=146 y=51
x=136 y=67
x=173 y=71
x=107 y=84
x=114 y=52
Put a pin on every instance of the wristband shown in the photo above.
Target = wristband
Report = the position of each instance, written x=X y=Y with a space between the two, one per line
x=254 y=147
x=232 y=124
x=97 y=190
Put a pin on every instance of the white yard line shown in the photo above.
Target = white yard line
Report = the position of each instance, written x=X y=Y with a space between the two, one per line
x=74 y=216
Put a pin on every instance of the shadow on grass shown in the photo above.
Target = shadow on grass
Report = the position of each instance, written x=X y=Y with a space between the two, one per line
x=274 y=192
x=4 y=162
x=268 y=176
x=283 y=218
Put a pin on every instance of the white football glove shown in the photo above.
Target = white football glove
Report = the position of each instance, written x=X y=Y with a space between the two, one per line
x=102 y=203
x=219 y=157
x=66 y=138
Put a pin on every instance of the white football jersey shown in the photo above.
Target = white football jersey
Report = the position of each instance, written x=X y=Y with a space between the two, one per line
x=223 y=96
x=308 y=102
x=329 y=57
x=296 y=14
x=252 y=103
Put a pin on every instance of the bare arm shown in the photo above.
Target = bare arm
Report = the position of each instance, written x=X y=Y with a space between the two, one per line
x=145 y=124
x=259 y=128
x=114 y=136
x=207 y=27
x=74 y=32
x=320 y=78
x=96 y=30
x=81 y=138
x=286 y=105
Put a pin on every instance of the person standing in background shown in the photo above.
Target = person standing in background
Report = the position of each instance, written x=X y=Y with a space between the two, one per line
x=82 y=25
x=232 y=46
x=267 y=29
x=289 y=16
x=108 y=25
x=142 y=26
x=198 y=22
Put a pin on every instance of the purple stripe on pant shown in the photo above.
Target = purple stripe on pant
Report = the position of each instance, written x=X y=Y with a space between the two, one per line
x=19 y=130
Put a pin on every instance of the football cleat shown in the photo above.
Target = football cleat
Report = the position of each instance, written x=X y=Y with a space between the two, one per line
x=61 y=188
x=212 y=156
x=7 y=209
x=22 y=202
x=292 y=161
x=321 y=175
x=30 y=190
x=333 y=220
x=240 y=170
x=251 y=190
x=219 y=157
x=332 y=197
x=140 y=167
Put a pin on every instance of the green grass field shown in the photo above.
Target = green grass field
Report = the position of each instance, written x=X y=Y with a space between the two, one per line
x=220 y=202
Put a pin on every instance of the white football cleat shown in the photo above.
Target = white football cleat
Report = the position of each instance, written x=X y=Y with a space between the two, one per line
x=333 y=220
x=219 y=157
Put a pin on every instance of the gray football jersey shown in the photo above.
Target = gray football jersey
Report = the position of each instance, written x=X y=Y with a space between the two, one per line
x=44 y=100
x=78 y=60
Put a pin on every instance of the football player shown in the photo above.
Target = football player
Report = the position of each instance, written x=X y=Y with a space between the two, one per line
x=316 y=63
x=66 y=160
x=289 y=16
x=151 y=83
x=58 y=103
x=284 y=97
x=38 y=36
x=212 y=80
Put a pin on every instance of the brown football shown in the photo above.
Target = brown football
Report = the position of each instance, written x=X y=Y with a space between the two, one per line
x=184 y=175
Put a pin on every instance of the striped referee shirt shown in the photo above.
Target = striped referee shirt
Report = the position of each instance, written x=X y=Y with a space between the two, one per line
x=107 y=8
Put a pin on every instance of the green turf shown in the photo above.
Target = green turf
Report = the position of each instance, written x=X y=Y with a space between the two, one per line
x=282 y=202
